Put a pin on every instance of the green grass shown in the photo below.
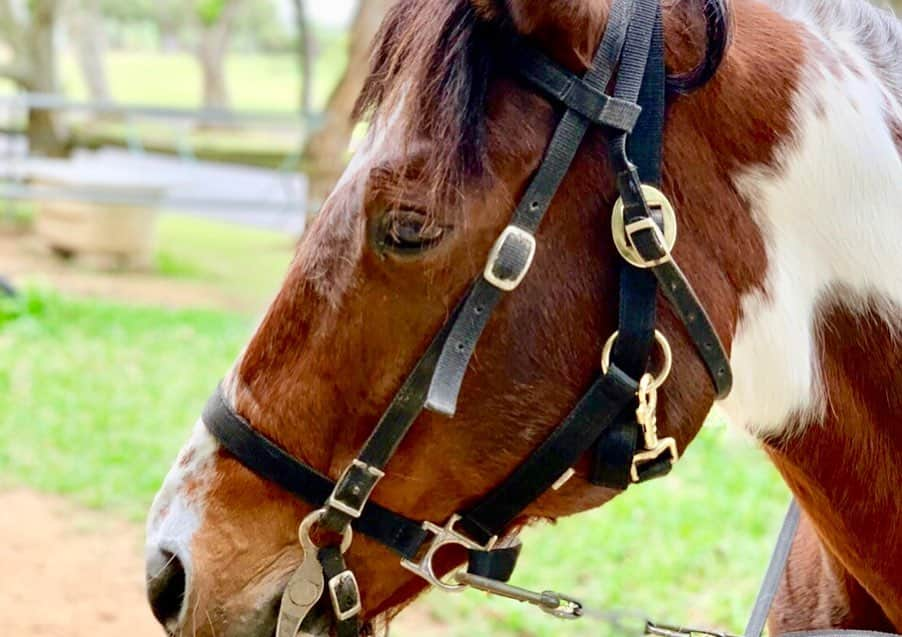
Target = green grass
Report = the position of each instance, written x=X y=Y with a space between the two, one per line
x=247 y=263
x=96 y=398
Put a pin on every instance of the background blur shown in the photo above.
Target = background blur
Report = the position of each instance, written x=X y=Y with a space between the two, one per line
x=158 y=161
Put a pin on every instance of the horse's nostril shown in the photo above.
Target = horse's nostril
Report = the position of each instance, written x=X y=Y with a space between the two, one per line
x=165 y=586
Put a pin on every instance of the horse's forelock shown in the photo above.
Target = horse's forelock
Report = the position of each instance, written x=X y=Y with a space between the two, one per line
x=433 y=61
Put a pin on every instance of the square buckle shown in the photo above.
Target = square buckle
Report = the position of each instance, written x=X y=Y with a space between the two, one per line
x=510 y=258
x=370 y=476
x=344 y=608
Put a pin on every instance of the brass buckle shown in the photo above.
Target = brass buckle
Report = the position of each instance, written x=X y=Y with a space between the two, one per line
x=510 y=233
x=443 y=536
x=623 y=233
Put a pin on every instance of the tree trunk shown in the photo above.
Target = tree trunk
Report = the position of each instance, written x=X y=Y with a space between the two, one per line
x=212 y=52
x=90 y=47
x=45 y=135
x=325 y=153
x=215 y=87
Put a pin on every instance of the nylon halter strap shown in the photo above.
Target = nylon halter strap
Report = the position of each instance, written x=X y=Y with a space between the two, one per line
x=617 y=413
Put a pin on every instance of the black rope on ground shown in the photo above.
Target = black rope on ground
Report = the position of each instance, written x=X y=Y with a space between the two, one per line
x=6 y=288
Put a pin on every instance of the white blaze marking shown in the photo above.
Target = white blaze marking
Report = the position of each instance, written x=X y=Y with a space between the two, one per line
x=832 y=223
x=175 y=514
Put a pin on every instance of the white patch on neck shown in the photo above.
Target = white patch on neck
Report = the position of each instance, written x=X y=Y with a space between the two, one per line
x=831 y=218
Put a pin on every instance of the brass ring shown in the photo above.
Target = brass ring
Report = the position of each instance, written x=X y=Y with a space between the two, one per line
x=655 y=199
x=347 y=534
x=662 y=342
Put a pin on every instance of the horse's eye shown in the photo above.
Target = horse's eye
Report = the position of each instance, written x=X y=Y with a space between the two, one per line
x=409 y=232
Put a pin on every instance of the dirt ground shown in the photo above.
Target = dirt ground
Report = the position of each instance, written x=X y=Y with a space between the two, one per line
x=67 y=572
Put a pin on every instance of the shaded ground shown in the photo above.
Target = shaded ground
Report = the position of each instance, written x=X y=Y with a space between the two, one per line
x=22 y=260
x=68 y=572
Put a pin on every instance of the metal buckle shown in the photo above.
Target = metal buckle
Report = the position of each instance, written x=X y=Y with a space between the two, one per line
x=345 y=579
x=659 y=378
x=518 y=236
x=623 y=233
x=443 y=536
x=344 y=507
x=347 y=534
x=305 y=587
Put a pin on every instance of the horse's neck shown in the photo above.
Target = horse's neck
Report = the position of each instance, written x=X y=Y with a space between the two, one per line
x=817 y=352
x=830 y=211
x=846 y=468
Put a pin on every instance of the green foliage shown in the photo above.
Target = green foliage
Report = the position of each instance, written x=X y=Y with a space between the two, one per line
x=23 y=307
x=95 y=397
x=246 y=263
x=259 y=26
x=209 y=11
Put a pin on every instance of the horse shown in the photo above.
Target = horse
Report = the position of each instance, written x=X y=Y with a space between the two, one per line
x=782 y=154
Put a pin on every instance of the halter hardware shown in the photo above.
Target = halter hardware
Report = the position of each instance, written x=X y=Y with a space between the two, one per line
x=510 y=258
x=443 y=536
x=353 y=499
x=647 y=418
x=344 y=593
x=550 y=602
x=656 y=380
x=306 y=585
x=306 y=526
x=625 y=233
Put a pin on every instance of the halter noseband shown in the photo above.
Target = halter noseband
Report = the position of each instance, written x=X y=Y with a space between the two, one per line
x=616 y=416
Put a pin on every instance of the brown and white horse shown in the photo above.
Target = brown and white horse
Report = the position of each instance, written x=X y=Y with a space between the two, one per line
x=786 y=172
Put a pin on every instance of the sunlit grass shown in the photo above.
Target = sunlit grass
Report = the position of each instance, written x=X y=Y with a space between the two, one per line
x=255 y=81
x=247 y=263
x=95 y=398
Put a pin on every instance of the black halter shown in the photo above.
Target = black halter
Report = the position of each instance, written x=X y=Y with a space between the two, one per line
x=626 y=448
